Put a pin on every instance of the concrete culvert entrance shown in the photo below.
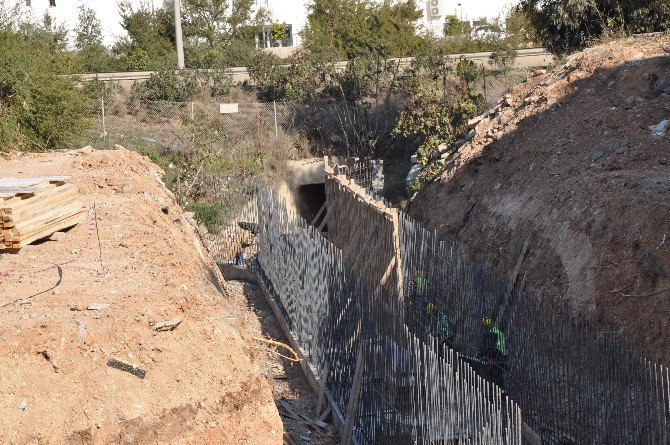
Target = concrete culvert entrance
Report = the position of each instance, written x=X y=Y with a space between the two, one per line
x=309 y=199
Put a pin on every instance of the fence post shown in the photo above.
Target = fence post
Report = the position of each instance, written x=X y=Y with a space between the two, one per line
x=486 y=97
x=274 y=106
x=104 y=126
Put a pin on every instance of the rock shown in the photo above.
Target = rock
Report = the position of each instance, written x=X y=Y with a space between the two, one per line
x=629 y=102
x=168 y=325
x=442 y=148
x=666 y=90
x=126 y=188
x=500 y=135
x=472 y=123
x=660 y=129
x=663 y=161
x=459 y=143
x=165 y=209
x=97 y=306
x=413 y=174
x=414 y=159
x=470 y=135
x=24 y=405
x=540 y=72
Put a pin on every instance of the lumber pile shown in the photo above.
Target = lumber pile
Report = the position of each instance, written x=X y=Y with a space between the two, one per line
x=35 y=208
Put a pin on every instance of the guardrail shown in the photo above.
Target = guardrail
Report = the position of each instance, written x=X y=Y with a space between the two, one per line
x=526 y=58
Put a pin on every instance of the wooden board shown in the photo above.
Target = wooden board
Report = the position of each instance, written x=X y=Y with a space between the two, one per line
x=36 y=208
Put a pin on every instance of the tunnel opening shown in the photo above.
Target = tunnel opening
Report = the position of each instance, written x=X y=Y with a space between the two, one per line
x=309 y=199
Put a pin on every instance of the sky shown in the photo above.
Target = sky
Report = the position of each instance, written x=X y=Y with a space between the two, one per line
x=107 y=10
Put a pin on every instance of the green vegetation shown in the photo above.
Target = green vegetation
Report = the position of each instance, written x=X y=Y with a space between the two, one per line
x=439 y=105
x=39 y=108
x=347 y=29
x=564 y=26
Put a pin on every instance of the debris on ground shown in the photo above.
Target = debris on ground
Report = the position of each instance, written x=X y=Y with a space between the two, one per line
x=125 y=367
x=168 y=325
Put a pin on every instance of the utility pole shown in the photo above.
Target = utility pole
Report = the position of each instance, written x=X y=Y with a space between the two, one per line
x=177 y=28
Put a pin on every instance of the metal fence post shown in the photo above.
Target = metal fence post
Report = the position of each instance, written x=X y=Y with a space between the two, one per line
x=484 y=76
x=104 y=126
x=274 y=106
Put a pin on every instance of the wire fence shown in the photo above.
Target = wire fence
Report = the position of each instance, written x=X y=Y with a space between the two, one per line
x=574 y=382
x=390 y=386
x=147 y=126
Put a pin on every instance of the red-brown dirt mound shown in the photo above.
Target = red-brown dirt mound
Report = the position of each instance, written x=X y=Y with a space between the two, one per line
x=55 y=385
x=569 y=161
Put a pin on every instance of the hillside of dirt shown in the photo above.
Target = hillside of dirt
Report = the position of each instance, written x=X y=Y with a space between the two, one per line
x=576 y=160
x=143 y=265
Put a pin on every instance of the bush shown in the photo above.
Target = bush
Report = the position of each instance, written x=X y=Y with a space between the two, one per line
x=40 y=108
x=564 y=26
x=169 y=85
x=503 y=56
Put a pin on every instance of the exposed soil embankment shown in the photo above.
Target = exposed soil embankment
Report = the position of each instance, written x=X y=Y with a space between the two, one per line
x=57 y=334
x=569 y=161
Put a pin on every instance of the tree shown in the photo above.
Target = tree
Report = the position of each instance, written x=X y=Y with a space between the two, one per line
x=346 y=29
x=91 y=55
x=46 y=32
x=150 y=33
x=40 y=108
x=218 y=34
x=88 y=30
x=278 y=32
x=564 y=26
x=12 y=15
x=453 y=26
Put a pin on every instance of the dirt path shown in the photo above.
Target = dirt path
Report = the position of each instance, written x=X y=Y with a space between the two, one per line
x=252 y=316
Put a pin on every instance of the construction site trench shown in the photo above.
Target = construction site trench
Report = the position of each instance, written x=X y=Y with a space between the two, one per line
x=389 y=319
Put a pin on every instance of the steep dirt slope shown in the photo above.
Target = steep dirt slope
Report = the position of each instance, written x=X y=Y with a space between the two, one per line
x=55 y=386
x=568 y=160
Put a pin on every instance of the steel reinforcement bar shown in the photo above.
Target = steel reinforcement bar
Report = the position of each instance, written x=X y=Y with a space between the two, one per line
x=389 y=385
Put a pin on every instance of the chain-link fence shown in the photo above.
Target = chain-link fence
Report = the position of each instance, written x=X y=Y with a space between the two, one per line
x=494 y=83
x=146 y=125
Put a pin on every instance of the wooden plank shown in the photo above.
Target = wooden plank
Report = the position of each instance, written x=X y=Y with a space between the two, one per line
x=48 y=231
x=42 y=196
x=47 y=217
x=28 y=182
x=28 y=214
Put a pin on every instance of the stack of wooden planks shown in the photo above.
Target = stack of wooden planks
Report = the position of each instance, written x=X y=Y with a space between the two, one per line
x=35 y=208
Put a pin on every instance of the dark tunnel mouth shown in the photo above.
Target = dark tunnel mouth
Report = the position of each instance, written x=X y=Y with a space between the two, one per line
x=309 y=199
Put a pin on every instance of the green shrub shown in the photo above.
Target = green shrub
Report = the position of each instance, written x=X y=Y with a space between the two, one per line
x=220 y=83
x=40 y=108
x=564 y=26
x=169 y=85
x=503 y=56
x=210 y=215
